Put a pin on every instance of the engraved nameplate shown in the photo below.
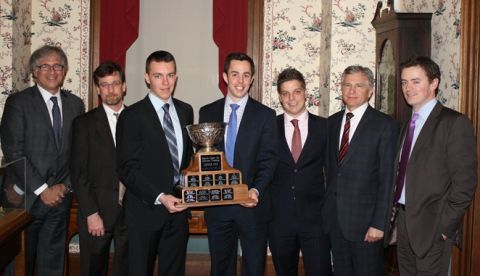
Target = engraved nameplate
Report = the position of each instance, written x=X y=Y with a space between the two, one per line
x=211 y=162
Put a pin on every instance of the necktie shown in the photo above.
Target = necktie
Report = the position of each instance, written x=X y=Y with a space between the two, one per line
x=231 y=134
x=57 y=122
x=296 y=140
x=172 y=142
x=407 y=146
x=116 y=114
x=346 y=133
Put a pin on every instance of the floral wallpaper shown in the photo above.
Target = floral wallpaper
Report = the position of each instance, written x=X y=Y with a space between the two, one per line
x=27 y=25
x=294 y=29
x=321 y=38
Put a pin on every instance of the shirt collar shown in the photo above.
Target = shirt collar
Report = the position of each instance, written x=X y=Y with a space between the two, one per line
x=425 y=110
x=157 y=102
x=302 y=117
x=46 y=95
x=358 y=112
x=241 y=103
x=110 y=111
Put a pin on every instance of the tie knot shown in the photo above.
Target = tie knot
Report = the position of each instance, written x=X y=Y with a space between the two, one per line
x=294 y=123
x=414 y=117
x=234 y=107
x=349 y=115
x=166 y=107
x=54 y=99
x=116 y=114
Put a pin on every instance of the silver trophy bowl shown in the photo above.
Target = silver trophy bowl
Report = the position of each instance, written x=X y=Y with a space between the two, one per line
x=206 y=135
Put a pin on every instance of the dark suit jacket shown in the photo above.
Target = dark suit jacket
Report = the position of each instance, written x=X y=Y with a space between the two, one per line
x=298 y=189
x=361 y=188
x=144 y=161
x=26 y=131
x=441 y=177
x=255 y=153
x=93 y=166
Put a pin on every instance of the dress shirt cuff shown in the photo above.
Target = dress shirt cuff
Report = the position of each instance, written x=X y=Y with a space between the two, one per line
x=41 y=189
x=256 y=191
x=18 y=190
x=157 y=201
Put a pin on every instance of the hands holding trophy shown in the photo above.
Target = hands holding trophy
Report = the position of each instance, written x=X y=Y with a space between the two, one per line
x=209 y=180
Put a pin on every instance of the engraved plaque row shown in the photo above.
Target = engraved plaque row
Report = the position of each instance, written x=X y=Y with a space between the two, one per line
x=205 y=180
x=206 y=195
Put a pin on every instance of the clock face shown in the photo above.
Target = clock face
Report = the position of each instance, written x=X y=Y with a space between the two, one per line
x=386 y=80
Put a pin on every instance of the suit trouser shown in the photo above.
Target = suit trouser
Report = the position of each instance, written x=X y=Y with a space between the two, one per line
x=95 y=251
x=223 y=235
x=354 y=258
x=168 y=244
x=287 y=239
x=437 y=260
x=46 y=238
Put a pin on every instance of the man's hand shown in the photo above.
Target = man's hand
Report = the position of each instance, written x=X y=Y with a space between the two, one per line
x=54 y=195
x=170 y=202
x=373 y=235
x=95 y=225
x=13 y=197
x=444 y=237
x=253 y=196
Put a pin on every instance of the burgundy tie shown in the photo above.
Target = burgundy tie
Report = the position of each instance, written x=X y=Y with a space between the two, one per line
x=407 y=146
x=296 y=140
x=346 y=132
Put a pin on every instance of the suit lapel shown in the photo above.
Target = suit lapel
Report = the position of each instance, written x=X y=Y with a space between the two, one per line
x=183 y=122
x=44 y=113
x=309 y=141
x=283 y=140
x=427 y=130
x=363 y=125
x=103 y=127
x=247 y=120
x=335 y=135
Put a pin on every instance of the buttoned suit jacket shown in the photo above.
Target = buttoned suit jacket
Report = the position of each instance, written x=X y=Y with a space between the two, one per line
x=93 y=166
x=360 y=188
x=298 y=189
x=441 y=177
x=144 y=161
x=26 y=131
x=255 y=155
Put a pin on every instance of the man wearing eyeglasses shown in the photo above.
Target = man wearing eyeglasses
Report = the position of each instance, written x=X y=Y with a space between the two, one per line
x=359 y=184
x=99 y=191
x=36 y=124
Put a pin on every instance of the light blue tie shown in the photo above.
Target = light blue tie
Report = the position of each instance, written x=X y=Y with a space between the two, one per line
x=231 y=134
x=172 y=142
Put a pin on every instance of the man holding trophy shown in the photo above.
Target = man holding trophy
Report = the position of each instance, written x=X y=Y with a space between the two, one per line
x=250 y=146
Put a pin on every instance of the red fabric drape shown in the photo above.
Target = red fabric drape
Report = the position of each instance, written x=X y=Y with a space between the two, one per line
x=230 y=29
x=118 y=28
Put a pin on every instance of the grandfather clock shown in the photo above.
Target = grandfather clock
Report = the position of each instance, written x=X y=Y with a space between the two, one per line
x=398 y=37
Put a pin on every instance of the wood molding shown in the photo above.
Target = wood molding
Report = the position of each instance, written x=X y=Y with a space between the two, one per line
x=465 y=260
x=255 y=44
x=94 y=50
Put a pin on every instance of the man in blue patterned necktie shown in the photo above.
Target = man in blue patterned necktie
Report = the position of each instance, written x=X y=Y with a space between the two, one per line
x=250 y=145
x=152 y=148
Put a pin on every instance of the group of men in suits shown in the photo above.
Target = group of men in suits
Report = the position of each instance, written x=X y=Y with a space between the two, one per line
x=315 y=185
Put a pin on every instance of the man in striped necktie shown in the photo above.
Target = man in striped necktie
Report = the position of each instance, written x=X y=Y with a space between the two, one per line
x=359 y=185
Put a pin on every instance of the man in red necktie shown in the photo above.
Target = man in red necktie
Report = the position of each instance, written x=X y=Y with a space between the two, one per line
x=298 y=185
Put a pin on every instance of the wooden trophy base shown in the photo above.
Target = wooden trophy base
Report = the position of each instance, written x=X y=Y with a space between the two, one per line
x=210 y=181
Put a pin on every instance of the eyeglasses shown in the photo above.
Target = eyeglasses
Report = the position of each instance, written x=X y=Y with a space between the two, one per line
x=108 y=85
x=48 y=67
x=354 y=86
